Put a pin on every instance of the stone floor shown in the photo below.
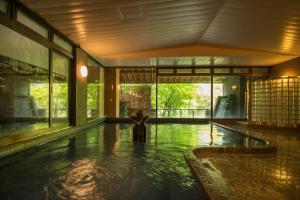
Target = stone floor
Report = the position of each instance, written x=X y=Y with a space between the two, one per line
x=252 y=176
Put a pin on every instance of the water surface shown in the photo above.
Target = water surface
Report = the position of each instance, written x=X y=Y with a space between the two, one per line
x=104 y=163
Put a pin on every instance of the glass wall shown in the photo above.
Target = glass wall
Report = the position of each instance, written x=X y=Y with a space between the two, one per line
x=95 y=92
x=60 y=91
x=34 y=90
x=275 y=101
x=230 y=97
x=190 y=97
x=24 y=84
x=219 y=93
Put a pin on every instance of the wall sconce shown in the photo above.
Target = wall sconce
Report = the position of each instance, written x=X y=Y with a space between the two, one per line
x=83 y=71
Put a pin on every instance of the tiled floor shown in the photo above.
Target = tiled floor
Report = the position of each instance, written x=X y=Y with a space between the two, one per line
x=243 y=176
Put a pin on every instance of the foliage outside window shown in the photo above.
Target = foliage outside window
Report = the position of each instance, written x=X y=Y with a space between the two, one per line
x=60 y=91
x=188 y=100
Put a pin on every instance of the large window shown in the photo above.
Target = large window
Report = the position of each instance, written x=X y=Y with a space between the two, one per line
x=229 y=97
x=185 y=93
x=60 y=91
x=24 y=84
x=24 y=96
x=34 y=90
x=184 y=97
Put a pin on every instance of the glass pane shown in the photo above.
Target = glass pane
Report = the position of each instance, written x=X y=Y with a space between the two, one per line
x=221 y=70
x=183 y=61
x=241 y=70
x=166 y=71
x=19 y=47
x=137 y=92
x=30 y=23
x=166 y=61
x=24 y=98
x=62 y=43
x=204 y=71
x=184 y=71
x=184 y=97
x=60 y=91
x=229 y=97
x=3 y=6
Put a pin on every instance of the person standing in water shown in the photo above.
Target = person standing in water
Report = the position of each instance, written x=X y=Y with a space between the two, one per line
x=139 y=129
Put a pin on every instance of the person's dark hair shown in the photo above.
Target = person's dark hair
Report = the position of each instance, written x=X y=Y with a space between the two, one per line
x=139 y=113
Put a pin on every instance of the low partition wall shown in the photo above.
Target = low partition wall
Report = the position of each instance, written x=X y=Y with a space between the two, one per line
x=14 y=147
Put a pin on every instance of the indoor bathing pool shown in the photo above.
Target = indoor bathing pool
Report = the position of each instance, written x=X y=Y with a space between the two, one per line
x=104 y=163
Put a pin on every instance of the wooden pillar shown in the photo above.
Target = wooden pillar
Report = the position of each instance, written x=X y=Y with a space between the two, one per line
x=112 y=92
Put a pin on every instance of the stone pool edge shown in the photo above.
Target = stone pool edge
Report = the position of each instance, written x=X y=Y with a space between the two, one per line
x=210 y=178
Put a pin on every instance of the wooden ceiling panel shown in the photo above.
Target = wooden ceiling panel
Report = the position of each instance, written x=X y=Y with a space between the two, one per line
x=110 y=28
x=117 y=21
x=272 y=26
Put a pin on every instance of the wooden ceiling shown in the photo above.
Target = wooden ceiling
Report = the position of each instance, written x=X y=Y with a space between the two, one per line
x=120 y=32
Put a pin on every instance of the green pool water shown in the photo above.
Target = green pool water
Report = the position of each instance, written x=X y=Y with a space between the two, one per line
x=104 y=163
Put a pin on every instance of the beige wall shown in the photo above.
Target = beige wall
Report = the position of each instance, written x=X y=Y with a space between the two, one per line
x=111 y=92
x=289 y=68
x=81 y=89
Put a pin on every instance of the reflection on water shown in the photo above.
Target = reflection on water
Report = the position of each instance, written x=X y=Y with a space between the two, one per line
x=104 y=163
x=79 y=182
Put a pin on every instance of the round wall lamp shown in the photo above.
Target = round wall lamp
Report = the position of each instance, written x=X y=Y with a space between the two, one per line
x=83 y=71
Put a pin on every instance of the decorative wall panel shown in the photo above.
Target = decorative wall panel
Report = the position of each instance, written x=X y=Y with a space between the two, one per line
x=276 y=101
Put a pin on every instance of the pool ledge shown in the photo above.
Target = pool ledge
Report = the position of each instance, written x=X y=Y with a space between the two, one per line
x=15 y=147
x=211 y=176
